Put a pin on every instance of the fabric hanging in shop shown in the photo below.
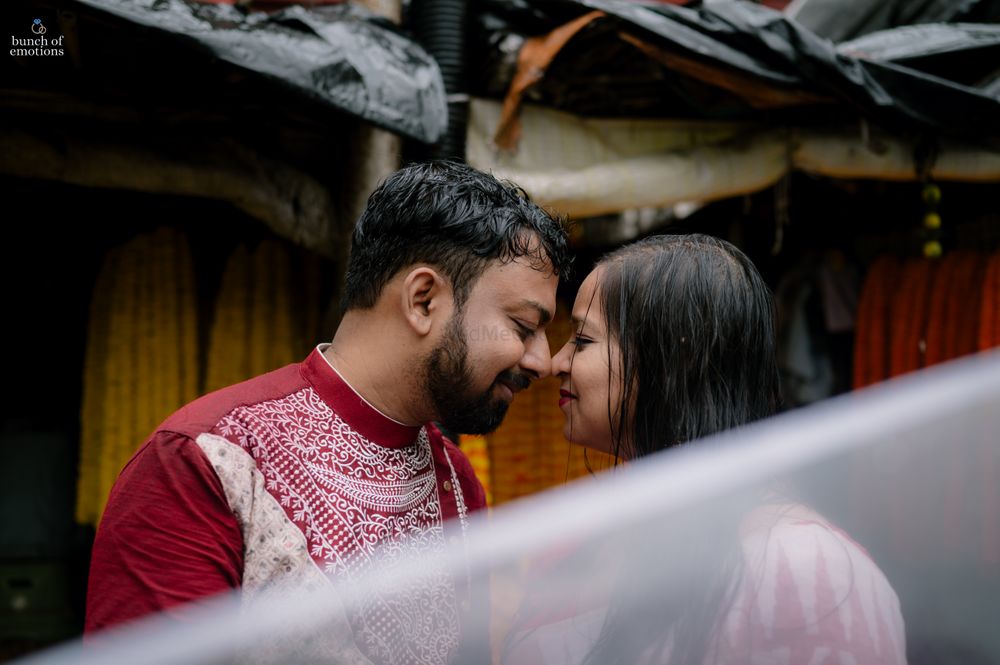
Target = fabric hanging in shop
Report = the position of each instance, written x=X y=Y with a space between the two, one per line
x=814 y=299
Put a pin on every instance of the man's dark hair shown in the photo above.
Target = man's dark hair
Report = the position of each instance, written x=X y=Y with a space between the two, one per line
x=454 y=218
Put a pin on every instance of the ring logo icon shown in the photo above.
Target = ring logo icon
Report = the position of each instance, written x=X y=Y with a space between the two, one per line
x=39 y=45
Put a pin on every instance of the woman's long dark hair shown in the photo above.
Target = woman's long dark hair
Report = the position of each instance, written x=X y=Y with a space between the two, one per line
x=694 y=323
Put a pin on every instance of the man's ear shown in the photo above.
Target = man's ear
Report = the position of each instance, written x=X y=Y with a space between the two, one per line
x=425 y=296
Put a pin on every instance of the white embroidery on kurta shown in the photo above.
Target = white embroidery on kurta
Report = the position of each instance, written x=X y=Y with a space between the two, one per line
x=357 y=502
x=276 y=560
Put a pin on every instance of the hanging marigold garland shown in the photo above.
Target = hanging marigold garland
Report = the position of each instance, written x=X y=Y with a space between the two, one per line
x=938 y=325
x=139 y=360
x=871 y=363
x=989 y=312
x=95 y=366
x=966 y=299
x=255 y=329
x=909 y=317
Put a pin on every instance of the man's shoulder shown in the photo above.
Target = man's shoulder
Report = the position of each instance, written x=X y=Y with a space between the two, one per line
x=203 y=414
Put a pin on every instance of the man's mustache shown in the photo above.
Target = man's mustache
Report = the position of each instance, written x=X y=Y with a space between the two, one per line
x=516 y=379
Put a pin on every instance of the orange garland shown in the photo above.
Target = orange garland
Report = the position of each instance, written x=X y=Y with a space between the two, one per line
x=968 y=294
x=937 y=321
x=909 y=317
x=989 y=311
x=870 y=362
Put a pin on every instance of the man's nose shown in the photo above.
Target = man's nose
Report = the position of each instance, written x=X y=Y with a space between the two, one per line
x=537 y=358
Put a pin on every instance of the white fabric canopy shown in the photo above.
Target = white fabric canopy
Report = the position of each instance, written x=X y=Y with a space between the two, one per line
x=584 y=167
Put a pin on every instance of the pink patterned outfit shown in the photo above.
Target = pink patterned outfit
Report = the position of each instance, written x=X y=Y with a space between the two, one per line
x=806 y=594
x=288 y=480
x=809 y=594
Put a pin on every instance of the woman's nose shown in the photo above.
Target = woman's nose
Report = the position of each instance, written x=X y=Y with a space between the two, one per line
x=561 y=362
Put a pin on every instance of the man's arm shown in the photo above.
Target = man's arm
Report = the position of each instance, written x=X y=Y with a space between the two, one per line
x=167 y=536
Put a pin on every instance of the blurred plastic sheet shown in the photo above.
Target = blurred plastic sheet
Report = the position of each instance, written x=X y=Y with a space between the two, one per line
x=888 y=493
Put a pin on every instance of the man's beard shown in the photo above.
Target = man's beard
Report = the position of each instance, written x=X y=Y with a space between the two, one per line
x=449 y=384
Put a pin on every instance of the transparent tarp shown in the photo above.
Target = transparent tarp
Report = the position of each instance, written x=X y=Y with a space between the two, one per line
x=865 y=529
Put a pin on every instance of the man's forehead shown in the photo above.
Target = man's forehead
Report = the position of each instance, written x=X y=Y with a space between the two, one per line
x=520 y=286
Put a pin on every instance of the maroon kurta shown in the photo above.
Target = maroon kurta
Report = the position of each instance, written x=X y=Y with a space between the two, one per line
x=273 y=482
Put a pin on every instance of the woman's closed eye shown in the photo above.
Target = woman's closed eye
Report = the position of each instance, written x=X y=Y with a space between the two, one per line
x=579 y=341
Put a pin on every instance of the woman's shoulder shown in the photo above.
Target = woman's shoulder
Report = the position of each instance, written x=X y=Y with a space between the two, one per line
x=807 y=585
x=791 y=547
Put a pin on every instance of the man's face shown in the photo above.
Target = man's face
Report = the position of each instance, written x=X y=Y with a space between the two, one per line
x=493 y=347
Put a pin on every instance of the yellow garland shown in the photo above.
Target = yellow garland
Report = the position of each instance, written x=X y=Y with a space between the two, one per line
x=188 y=383
x=142 y=348
x=261 y=309
x=255 y=329
x=476 y=448
x=308 y=276
x=231 y=320
x=169 y=358
x=143 y=304
x=118 y=402
x=283 y=349
x=92 y=427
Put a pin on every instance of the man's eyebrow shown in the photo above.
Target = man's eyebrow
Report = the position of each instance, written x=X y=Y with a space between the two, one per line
x=544 y=315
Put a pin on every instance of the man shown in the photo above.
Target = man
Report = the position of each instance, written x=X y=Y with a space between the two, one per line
x=295 y=478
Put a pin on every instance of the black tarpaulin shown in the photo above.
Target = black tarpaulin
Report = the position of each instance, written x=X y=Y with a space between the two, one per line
x=721 y=42
x=340 y=56
x=841 y=20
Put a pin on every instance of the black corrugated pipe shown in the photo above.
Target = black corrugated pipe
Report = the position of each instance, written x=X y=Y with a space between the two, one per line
x=440 y=27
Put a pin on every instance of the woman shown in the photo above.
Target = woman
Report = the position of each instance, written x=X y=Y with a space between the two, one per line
x=673 y=341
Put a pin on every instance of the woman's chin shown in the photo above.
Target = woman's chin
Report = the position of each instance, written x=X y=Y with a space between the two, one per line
x=578 y=438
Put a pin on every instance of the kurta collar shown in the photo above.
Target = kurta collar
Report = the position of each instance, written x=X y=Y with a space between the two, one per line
x=351 y=406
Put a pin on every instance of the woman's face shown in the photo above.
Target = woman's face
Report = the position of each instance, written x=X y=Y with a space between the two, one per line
x=589 y=367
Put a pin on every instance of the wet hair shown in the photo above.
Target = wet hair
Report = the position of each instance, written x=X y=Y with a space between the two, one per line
x=454 y=218
x=694 y=322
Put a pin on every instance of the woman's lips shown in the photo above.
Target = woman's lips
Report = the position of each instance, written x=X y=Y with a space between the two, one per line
x=565 y=397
